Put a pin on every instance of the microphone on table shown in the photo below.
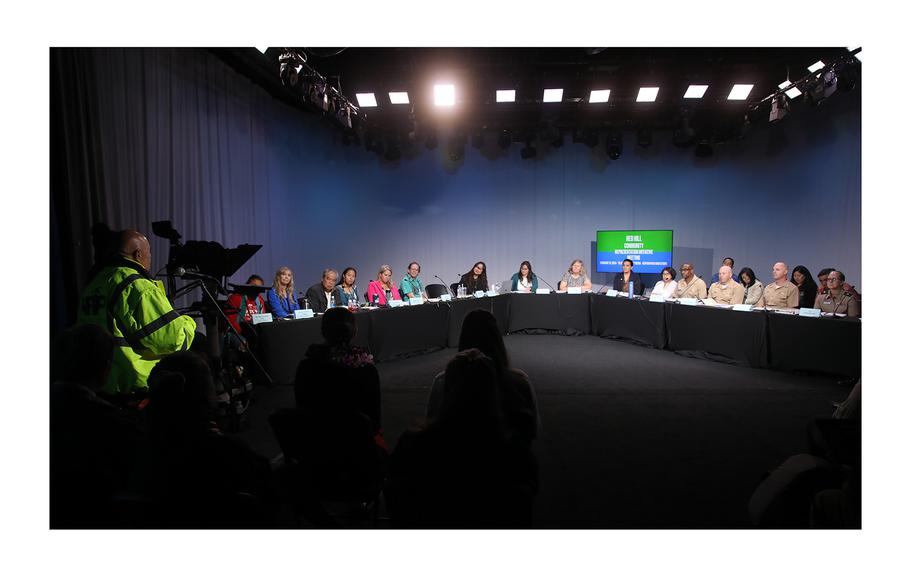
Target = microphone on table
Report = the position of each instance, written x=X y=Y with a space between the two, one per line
x=602 y=288
x=539 y=277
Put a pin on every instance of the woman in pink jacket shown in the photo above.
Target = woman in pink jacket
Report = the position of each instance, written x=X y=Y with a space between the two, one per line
x=383 y=289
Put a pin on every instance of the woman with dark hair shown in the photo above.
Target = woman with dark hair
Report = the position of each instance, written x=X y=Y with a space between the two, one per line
x=476 y=279
x=348 y=287
x=337 y=376
x=524 y=280
x=752 y=285
x=667 y=284
x=628 y=277
x=808 y=289
x=463 y=470
x=480 y=331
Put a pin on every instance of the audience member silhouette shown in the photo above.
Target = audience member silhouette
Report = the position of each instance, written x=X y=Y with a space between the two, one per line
x=191 y=473
x=337 y=376
x=480 y=331
x=91 y=441
x=463 y=470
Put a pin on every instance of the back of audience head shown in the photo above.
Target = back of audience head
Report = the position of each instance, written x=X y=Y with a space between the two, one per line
x=181 y=393
x=480 y=331
x=83 y=354
x=472 y=397
x=338 y=326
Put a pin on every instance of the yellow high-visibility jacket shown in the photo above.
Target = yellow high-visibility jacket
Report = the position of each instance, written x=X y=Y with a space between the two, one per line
x=124 y=299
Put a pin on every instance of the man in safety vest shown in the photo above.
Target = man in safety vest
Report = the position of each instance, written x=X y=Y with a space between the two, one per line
x=123 y=298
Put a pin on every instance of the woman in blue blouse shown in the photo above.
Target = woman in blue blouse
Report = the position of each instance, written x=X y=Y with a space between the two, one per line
x=281 y=296
x=348 y=286
x=524 y=280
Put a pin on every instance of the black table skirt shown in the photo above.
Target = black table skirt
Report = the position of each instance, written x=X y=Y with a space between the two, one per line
x=621 y=318
x=819 y=345
x=756 y=339
x=555 y=312
x=739 y=337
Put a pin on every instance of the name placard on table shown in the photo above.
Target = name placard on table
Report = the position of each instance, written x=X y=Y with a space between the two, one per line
x=810 y=312
x=657 y=298
x=742 y=307
x=262 y=318
x=479 y=294
x=304 y=314
x=543 y=290
x=491 y=293
x=573 y=290
x=446 y=298
x=395 y=303
x=688 y=301
x=415 y=301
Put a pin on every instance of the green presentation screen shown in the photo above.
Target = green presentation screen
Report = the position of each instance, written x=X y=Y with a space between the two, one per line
x=651 y=251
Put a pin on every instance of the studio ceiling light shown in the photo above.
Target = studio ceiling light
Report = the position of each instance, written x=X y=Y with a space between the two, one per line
x=505 y=96
x=816 y=66
x=792 y=93
x=366 y=99
x=647 y=94
x=552 y=95
x=695 y=91
x=739 y=92
x=399 y=98
x=599 y=96
x=444 y=95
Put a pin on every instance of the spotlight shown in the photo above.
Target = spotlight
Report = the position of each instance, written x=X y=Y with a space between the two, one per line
x=792 y=92
x=444 y=95
x=291 y=68
x=780 y=106
x=821 y=87
x=505 y=96
x=816 y=66
x=552 y=95
x=399 y=98
x=739 y=92
x=366 y=99
x=647 y=94
x=504 y=139
x=599 y=96
x=528 y=152
x=695 y=91
x=614 y=144
x=704 y=149
x=644 y=137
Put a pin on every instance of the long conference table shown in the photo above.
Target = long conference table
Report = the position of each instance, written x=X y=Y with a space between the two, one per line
x=760 y=339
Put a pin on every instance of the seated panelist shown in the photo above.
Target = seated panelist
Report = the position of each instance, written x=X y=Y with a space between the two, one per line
x=575 y=277
x=726 y=291
x=524 y=280
x=324 y=293
x=628 y=277
x=383 y=289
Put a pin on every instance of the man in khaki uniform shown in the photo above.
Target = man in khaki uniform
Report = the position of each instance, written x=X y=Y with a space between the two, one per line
x=781 y=293
x=836 y=300
x=726 y=290
x=691 y=286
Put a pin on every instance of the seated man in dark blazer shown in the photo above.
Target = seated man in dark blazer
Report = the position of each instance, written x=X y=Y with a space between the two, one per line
x=627 y=277
x=318 y=295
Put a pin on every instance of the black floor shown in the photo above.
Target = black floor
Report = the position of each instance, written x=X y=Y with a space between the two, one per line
x=631 y=437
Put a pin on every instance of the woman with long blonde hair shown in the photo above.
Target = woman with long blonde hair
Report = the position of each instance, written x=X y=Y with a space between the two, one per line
x=382 y=287
x=281 y=296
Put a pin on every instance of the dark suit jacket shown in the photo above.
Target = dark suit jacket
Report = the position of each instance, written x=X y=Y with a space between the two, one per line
x=634 y=278
x=316 y=297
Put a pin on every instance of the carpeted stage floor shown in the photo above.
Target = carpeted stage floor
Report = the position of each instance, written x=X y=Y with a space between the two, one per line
x=631 y=437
